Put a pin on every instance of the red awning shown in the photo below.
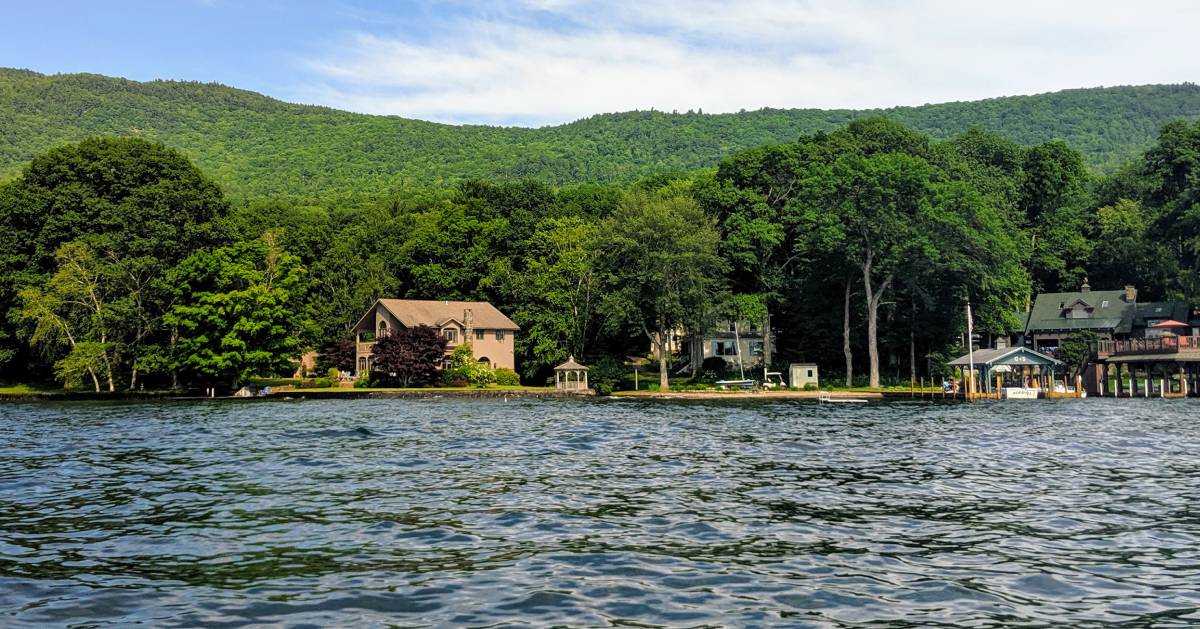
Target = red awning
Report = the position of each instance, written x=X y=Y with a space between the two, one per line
x=1170 y=323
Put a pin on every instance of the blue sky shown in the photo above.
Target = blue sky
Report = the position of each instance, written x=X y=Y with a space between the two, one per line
x=534 y=62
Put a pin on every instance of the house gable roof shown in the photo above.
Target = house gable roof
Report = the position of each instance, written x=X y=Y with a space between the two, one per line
x=1109 y=311
x=414 y=312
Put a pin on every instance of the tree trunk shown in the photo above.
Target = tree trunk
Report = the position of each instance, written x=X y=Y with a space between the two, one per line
x=663 y=383
x=873 y=296
x=174 y=364
x=768 y=347
x=108 y=372
x=95 y=380
x=846 y=337
x=912 y=345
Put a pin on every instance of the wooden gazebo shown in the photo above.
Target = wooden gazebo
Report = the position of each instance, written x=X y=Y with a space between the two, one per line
x=570 y=376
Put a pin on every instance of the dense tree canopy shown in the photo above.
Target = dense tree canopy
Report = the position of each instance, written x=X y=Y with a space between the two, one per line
x=122 y=265
x=132 y=208
x=238 y=312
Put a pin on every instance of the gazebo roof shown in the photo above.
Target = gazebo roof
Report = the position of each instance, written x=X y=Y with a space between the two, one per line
x=571 y=365
x=1170 y=323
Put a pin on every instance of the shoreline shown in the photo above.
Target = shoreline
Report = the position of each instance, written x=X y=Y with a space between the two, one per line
x=783 y=395
x=304 y=394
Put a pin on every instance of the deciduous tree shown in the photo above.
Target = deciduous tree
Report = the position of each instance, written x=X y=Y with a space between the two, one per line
x=409 y=355
x=661 y=267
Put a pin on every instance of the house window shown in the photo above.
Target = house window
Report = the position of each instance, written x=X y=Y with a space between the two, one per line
x=478 y=335
x=733 y=327
x=756 y=348
x=451 y=335
x=383 y=328
x=1104 y=304
x=499 y=335
x=810 y=373
x=724 y=348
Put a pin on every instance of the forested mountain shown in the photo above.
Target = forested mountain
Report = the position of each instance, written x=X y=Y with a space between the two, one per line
x=254 y=145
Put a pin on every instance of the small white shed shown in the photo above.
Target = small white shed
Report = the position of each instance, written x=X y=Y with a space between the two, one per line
x=800 y=374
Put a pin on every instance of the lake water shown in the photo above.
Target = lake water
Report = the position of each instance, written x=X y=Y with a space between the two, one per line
x=591 y=513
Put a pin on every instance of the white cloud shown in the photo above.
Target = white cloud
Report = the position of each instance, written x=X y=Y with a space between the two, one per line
x=723 y=56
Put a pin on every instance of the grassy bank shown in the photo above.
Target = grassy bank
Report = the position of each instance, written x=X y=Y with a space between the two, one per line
x=343 y=390
x=31 y=389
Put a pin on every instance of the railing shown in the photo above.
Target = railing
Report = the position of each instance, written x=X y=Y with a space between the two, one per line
x=1160 y=345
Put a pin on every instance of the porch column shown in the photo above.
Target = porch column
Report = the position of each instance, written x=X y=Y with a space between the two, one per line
x=1118 y=383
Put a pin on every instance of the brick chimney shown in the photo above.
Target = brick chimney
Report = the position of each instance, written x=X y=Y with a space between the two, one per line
x=1130 y=294
x=468 y=326
x=1086 y=288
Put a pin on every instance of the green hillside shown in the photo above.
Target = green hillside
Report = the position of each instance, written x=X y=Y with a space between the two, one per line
x=255 y=145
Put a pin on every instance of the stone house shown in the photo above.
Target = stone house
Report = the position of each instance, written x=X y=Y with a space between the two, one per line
x=492 y=335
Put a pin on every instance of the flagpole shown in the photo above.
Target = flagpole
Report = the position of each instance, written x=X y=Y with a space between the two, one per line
x=970 y=353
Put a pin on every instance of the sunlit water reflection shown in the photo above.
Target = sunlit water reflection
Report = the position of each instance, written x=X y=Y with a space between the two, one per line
x=591 y=513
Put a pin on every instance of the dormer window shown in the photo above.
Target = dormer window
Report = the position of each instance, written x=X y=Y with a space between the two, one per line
x=451 y=335
x=1077 y=310
x=1104 y=304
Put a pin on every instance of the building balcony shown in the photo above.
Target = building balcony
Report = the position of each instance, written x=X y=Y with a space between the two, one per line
x=1187 y=345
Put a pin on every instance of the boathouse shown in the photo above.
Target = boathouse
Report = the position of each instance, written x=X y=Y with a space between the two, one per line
x=1013 y=367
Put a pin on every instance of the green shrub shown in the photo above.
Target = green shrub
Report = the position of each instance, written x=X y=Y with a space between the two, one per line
x=506 y=377
x=606 y=374
x=322 y=383
x=363 y=382
x=333 y=373
x=471 y=374
x=464 y=371
x=810 y=387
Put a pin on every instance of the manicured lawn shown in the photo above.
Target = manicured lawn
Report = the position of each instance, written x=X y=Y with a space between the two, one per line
x=29 y=389
x=392 y=389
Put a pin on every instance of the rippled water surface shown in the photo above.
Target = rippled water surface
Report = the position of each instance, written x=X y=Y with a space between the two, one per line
x=594 y=513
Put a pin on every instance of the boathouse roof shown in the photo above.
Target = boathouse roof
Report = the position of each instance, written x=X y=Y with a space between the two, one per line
x=1005 y=356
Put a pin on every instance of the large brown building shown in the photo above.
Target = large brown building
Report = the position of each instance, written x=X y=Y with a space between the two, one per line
x=491 y=334
x=1110 y=314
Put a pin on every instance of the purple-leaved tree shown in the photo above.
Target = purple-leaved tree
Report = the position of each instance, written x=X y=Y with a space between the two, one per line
x=409 y=355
